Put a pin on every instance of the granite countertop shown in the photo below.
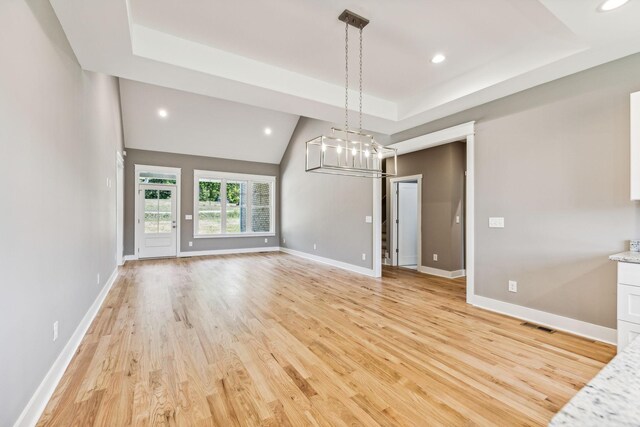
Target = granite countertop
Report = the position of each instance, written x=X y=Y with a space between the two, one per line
x=629 y=256
x=612 y=398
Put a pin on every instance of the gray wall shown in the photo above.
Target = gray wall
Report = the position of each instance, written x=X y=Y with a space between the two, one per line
x=188 y=163
x=327 y=210
x=442 y=170
x=554 y=161
x=60 y=128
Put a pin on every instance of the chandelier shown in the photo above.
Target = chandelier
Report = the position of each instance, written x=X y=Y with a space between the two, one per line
x=346 y=151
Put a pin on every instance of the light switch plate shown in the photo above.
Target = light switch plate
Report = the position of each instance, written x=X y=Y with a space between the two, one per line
x=496 y=222
x=368 y=219
x=188 y=217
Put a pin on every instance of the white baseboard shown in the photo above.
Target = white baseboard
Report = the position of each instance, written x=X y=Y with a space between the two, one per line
x=441 y=273
x=561 y=323
x=332 y=262
x=228 y=251
x=129 y=258
x=34 y=409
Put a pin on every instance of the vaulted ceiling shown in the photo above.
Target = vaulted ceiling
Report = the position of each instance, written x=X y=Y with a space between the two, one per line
x=288 y=55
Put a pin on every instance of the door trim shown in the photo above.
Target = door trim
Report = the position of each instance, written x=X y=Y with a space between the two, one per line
x=394 y=215
x=465 y=131
x=162 y=169
x=119 y=208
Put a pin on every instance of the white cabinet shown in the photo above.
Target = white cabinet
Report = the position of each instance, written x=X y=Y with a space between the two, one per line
x=628 y=303
x=627 y=332
x=635 y=146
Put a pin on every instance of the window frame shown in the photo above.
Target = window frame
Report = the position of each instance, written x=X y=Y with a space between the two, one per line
x=224 y=177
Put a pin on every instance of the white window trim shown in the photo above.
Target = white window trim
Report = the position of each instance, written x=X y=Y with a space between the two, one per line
x=226 y=176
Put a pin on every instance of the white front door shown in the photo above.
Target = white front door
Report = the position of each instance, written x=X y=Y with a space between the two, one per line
x=407 y=223
x=156 y=226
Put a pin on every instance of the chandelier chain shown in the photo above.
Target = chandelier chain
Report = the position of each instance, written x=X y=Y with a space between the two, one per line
x=346 y=76
x=360 y=120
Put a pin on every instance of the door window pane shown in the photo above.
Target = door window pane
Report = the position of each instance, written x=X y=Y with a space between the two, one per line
x=164 y=211
x=236 y=215
x=157 y=211
x=209 y=207
x=150 y=211
x=157 y=178
x=261 y=207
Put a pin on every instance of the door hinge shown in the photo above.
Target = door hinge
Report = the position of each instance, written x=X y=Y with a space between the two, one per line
x=396 y=250
x=397 y=221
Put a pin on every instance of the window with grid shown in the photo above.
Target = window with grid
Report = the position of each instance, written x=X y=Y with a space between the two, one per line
x=233 y=204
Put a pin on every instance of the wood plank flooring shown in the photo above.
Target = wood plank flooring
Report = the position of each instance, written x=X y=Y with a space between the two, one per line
x=275 y=340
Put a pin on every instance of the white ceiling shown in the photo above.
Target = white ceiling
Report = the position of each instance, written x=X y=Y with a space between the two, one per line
x=201 y=125
x=288 y=55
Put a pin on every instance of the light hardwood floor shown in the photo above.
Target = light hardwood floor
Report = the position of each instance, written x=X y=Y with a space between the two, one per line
x=275 y=340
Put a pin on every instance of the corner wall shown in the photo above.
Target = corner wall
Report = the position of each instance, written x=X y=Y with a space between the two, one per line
x=554 y=162
x=442 y=169
x=60 y=128
x=326 y=210
x=188 y=164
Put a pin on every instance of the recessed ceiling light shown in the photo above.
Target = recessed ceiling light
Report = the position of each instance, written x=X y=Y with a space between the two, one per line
x=163 y=113
x=267 y=131
x=611 y=4
x=438 y=58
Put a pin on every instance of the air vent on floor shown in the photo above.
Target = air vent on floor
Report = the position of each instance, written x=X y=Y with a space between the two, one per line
x=539 y=327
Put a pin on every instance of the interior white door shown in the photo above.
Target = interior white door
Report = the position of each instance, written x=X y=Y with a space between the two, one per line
x=407 y=223
x=156 y=226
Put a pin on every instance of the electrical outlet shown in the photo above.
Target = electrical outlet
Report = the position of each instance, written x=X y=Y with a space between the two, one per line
x=513 y=286
x=364 y=257
x=368 y=219
x=188 y=217
x=284 y=240
x=55 y=330
x=266 y=240
x=314 y=247
x=457 y=219
x=190 y=244
x=98 y=278
x=435 y=257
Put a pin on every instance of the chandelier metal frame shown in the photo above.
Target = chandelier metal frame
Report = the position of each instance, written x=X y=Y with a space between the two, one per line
x=346 y=151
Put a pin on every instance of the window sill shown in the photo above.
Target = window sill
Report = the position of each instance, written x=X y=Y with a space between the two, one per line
x=231 y=235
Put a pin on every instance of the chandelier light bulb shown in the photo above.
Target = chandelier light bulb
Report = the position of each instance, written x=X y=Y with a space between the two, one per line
x=354 y=151
x=366 y=153
x=339 y=149
x=324 y=147
x=380 y=155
